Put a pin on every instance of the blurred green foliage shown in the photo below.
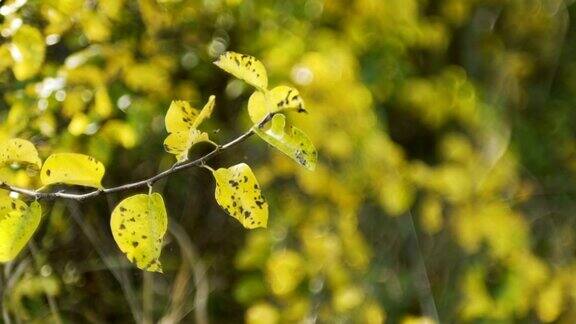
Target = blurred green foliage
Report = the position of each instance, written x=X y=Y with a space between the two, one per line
x=445 y=185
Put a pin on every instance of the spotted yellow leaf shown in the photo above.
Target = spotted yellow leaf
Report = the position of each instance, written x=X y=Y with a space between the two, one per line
x=238 y=193
x=244 y=67
x=73 y=169
x=18 y=222
x=27 y=50
x=138 y=225
x=281 y=98
x=180 y=142
x=293 y=143
x=19 y=151
x=182 y=122
x=182 y=117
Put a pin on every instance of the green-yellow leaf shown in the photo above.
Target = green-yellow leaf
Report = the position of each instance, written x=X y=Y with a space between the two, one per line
x=18 y=222
x=27 y=51
x=182 y=122
x=20 y=151
x=138 y=225
x=281 y=98
x=244 y=67
x=73 y=169
x=238 y=193
x=293 y=143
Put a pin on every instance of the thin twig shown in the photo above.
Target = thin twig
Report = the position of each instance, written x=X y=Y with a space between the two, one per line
x=36 y=194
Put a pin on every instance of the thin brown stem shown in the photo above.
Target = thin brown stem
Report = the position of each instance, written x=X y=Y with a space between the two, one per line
x=37 y=194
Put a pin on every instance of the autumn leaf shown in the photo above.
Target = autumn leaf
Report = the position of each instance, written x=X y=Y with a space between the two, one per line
x=72 y=169
x=138 y=225
x=18 y=222
x=238 y=193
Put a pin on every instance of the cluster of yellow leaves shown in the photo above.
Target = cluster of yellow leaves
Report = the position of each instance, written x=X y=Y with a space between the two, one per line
x=317 y=249
x=25 y=51
x=263 y=102
x=182 y=123
x=237 y=190
x=139 y=222
x=18 y=221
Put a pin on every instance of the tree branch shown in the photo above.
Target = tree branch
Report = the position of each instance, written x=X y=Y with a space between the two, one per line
x=146 y=182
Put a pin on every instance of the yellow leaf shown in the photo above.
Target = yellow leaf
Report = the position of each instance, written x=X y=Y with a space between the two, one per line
x=238 y=192
x=180 y=116
x=18 y=222
x=78 y=124
x=118 y=131
x=244 y=67
x=431 y=214
x=5 y=57
x=549 y=304
x=280 y=98
x=179 y=143
x=262 y=313
x=372 y=313
x=27 y=51
x=96 y=26
x=102 y=103
x=73 y=169
x=17 y=150
x=111 y=8
x=293 y=143
x=147 y=77
x=181 y=122
x=205 y=113
x=73 y=104
x=284 y=272
x=138 y=225
x=346 y=299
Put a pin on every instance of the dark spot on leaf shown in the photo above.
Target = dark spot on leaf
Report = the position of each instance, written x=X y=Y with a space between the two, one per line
x=260 y=203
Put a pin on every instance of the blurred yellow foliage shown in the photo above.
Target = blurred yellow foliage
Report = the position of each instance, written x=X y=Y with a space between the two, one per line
x=444 y=131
